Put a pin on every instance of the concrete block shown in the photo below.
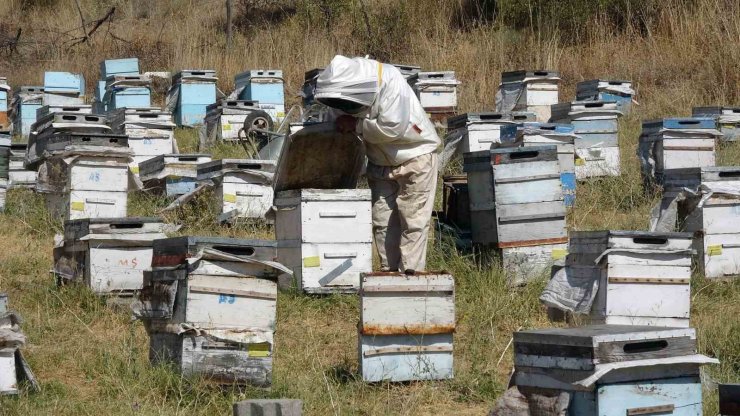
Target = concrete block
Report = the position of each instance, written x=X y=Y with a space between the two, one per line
x=269 y=407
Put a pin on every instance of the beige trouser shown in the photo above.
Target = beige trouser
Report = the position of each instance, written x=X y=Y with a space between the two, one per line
x=403 y=199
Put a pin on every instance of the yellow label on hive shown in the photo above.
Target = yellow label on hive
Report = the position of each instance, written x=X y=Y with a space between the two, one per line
x=227 y=126
x=259 y=350
x=580 y=162
x=559 y=253
x=714 y=250
x=77 y=206
x=281 y=114
x=313 y=261
x=135 y=169
x=229 y=198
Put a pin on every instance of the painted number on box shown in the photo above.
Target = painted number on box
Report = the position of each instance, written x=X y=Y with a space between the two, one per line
x=229 y=299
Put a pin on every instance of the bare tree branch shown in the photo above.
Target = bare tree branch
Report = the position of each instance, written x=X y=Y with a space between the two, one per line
x=95 y=27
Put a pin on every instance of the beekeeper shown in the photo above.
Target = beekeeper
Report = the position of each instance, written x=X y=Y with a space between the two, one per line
x=375 y=101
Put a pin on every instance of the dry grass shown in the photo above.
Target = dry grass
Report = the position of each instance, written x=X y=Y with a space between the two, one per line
x=92 y=359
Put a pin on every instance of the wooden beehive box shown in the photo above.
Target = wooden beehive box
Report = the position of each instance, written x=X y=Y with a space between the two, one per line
x=325 y=237
x=406 y=326
x=644 y=277
x=612 y=369
x=243 y=186
x=481 y=130
x=516 y=198
x=172 y=174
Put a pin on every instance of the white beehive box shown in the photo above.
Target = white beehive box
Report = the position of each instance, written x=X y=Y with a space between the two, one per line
x=225 y=118
x=533 y=91
x=526 y=263
x=150 y=131
x=18 y=175
x=114 y=251
x=437 y=91
x=243 y=186
x=516 y=197
x=88 y=187
x=406 y=326
x=172 y=174
x=481 y=130
x=325 y=237
x=643 y=277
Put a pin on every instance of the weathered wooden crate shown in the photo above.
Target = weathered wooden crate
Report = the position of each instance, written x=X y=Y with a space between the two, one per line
x=127 y=91
x=524 y=264
x=46 y=109
x=728 y=120
x=150 y=132
x=406 y=326
x=644 y=277
x=597 y=161
x=483 y=129
x=516 y=198
x=243 y=186
x=172 y=174
x=719 y=211
x=113 y=252
x=264 y=86
x=612 y=369
x=218 y=361
x=325 y=237
x=437 y=91
x=18 y=175
x=607 y=90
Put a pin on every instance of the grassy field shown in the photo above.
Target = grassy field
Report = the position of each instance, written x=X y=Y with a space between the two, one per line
x=92 y=359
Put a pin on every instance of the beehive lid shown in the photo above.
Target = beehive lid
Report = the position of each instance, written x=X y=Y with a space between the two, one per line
x=715 y=111
x=462 y=120
x=482 y=160
x=521 y=75
x=319 y=157
x=76 y=229
x=603 y=343
x=175 y=251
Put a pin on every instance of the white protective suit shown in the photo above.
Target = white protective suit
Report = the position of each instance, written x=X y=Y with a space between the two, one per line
x=401 y=145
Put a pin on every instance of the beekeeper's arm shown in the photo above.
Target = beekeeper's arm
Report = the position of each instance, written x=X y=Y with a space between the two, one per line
x=393 y=116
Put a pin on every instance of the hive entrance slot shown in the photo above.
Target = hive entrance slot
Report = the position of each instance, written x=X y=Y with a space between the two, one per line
x=524 y=155
x=645 y=346
x=236 y=251
x=650 y=240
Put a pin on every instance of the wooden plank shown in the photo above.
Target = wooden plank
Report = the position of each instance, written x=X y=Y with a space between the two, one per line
x=657 y=280
x=408 y=288
x=236 y=292
x=666 y=408
x=528 y=243
x=408 y=350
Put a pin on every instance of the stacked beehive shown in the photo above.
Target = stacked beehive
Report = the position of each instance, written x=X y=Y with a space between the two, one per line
x=25 y=103
x=243 y=186
x=13 y=367
x=532 y=91
x=670 y=146
x=563 y=138
x=610 y=370
x=190 y=94
x=110 y=68
x=626 y=278
x=437 y=92
x=323 y=225
x=516 y=206
x=209 y=306
x=63 y=88
x=264 y=86
x=712 y=215
x=82 y=167
x=18 y=175
x=620 y=92
x=127 y=91
x=728 y=120
x=173 y=174
x=150 y=132
x=225 y=118
x=45 y=110
x=5 y=122
x=108 y=255
x=597 y=127
x=406 y=326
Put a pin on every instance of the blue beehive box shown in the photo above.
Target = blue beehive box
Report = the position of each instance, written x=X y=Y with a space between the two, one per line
x=197 y=90
x=125 y=66
x=619 y=91
x=264 y=86
x=62 y=88
x=29 y=100
x=127 y=91
x=728 y=120
x=566 y=156
x=3 y=100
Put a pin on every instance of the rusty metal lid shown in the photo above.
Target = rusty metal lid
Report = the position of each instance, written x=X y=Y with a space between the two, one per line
x=319 y=157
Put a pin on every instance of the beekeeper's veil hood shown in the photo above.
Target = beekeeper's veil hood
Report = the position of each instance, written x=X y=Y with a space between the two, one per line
x=354 y=80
